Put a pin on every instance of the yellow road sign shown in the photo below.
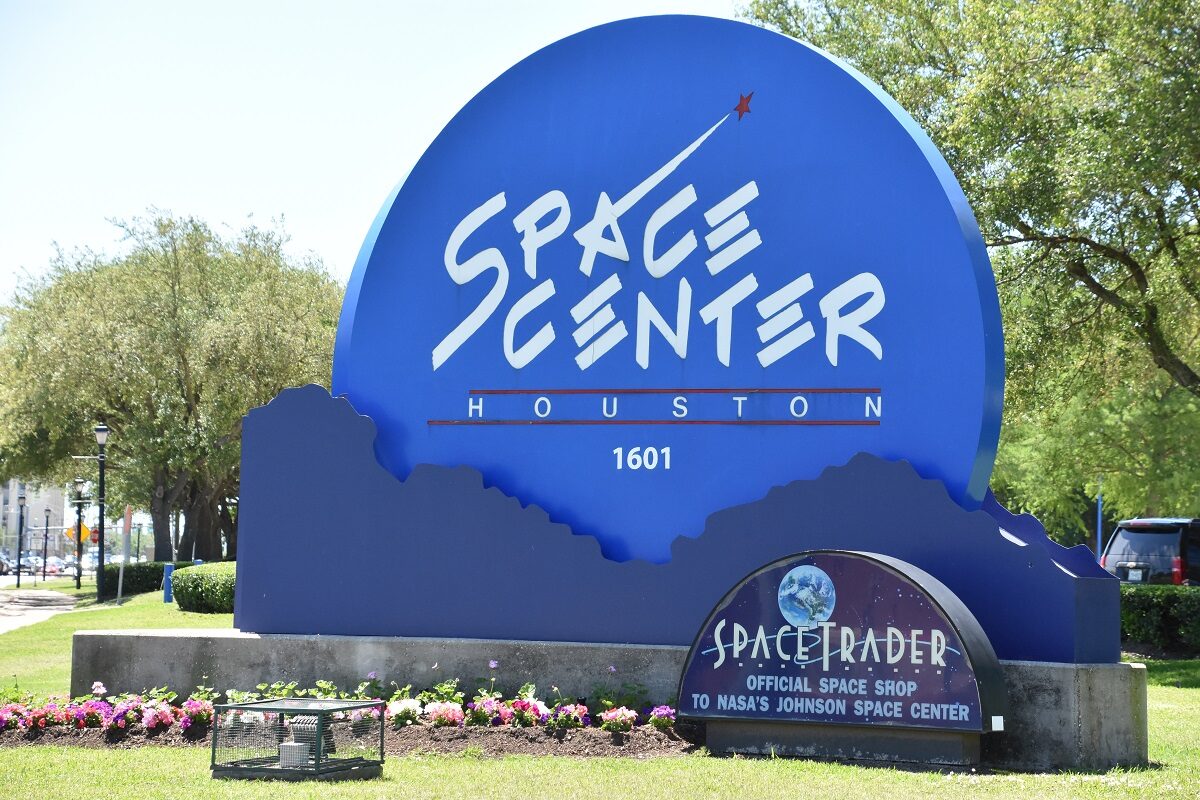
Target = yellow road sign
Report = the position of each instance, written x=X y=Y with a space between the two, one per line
x=70 y=532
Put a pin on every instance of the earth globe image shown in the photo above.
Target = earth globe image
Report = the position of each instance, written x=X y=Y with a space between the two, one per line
x=806 y=596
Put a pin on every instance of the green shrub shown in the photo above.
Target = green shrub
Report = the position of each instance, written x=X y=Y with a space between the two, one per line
x=207 y=588
x=139 y=578
x=1167 y=617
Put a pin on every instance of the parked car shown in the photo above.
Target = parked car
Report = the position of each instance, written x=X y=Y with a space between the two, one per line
x=1158 y=550
x=6 y=566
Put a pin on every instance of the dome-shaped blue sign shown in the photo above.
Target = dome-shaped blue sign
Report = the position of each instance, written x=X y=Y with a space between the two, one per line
x=665 y=264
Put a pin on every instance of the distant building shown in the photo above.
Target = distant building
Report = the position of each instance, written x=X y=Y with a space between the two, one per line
x=37 y=500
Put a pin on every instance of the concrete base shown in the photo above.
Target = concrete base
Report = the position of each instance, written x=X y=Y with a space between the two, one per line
x=1061 y=716
x=1071 y=716
x=131 y=660
x=843 y=742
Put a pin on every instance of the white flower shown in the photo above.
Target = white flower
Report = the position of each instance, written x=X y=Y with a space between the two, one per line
x=98 y=689
x=406 y=707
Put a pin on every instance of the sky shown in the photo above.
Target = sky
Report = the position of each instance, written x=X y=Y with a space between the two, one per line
x=243 y=112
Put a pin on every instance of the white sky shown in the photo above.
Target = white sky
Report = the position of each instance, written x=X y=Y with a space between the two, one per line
x=237 y=110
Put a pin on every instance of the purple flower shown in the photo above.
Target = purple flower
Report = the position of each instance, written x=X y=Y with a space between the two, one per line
x=372 y=675
x=493 y=664
x=611 y=669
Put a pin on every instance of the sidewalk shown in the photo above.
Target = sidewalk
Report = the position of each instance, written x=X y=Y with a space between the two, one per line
x=18 y=609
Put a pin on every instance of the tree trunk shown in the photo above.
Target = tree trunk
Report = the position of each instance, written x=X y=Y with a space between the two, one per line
x=202 y=526
x=167 y=490
x=160 y=514
x=229 y=528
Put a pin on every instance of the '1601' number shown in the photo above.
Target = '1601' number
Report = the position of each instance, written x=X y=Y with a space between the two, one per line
x=642 y=457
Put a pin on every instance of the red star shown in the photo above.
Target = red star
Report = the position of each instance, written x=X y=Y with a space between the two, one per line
x=743 y=106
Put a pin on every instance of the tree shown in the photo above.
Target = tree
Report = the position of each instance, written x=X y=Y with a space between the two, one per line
x=170 y=345
x=1074 y=129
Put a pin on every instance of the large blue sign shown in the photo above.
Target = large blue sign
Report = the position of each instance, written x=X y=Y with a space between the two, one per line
x=849 y=638
x=664 y=265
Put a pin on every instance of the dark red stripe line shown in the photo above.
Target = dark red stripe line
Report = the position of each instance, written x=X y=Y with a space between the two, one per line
x=678 y=391
x=652 y=422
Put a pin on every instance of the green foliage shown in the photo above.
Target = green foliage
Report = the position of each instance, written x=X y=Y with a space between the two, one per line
x=1144 y=440
x=280 y=689
x=629 y=694
x=140 y=578
x=326 y=690
x=1073 y=128
x=159 y=693
x=208 y=693
x=368 y=689
x=207 y=588
x=444 y=692
x=1167 y=617
x=170 y=345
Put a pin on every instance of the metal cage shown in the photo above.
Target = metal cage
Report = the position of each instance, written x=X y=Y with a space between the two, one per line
x=298 y=738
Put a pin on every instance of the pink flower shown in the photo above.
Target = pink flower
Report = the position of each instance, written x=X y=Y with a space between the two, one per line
x=618 y=719
x=443 y=714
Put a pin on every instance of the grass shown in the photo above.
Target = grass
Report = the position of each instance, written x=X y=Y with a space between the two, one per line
x=1181 y=673
x=176 y=772
x=38 y=657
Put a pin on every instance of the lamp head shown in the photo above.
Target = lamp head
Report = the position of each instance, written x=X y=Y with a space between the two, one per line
x=101 y=434
x=21 y=499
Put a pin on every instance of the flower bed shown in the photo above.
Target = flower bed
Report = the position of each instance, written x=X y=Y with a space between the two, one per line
x=439 y=719
x=151 y=710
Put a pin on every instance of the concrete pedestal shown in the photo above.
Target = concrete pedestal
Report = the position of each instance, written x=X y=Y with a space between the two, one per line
x=1071 y=716
x=1061 y=716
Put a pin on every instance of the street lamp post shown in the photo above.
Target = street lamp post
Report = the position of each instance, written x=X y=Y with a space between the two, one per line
x=78 y=531
x=20 y=533
x=45 y=543
x=101 y=438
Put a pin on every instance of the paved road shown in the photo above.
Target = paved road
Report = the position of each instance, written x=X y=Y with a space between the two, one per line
x=18 y=609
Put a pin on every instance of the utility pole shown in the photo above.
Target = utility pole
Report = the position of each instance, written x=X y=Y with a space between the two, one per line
x=45 y=543
x=101 y=438
x=20 y=531
x=78 y=531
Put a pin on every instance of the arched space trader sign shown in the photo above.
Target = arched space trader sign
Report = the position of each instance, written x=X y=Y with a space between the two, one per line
x=663 y=265
x=844 y=638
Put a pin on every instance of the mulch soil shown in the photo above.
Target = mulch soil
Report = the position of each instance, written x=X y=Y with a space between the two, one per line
x=641 y=742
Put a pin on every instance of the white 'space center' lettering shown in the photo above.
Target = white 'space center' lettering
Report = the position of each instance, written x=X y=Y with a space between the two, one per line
x=780 y=322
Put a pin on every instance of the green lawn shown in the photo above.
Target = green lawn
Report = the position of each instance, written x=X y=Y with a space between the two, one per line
x=174 y=772
x=38 y=657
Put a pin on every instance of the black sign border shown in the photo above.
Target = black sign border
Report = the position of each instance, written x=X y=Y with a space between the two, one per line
x=980 y=656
